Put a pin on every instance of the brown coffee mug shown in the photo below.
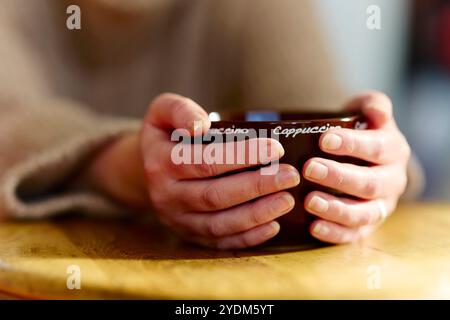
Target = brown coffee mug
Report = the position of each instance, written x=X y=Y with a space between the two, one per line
x=299 y=134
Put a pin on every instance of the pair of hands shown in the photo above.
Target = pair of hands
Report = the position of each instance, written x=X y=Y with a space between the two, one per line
x=240 y=210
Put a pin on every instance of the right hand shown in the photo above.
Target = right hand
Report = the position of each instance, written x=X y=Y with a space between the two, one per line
x=195 y=200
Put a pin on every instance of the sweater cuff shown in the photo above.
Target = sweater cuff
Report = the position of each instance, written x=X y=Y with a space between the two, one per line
x=34 y=188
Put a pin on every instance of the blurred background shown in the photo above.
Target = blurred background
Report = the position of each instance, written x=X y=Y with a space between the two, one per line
x=409 y=59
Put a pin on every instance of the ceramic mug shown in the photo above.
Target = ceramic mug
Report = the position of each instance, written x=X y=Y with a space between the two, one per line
x=299 y=134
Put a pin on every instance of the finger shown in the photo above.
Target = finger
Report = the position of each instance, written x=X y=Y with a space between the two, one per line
x=347 y=212
x=225 y=192
x=162 y=155
x=204 y=161
x=363 y=182
x=376 y=146
x=250 y=238
x=172 y=111
x=170 y=158
x=334 y=233
x=376 y=106
x=238 y=219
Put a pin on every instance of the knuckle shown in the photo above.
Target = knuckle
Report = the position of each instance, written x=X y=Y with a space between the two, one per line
x=211 y=197
x=341 y=211
x=206 y=170
x=214 y=227
x=339 y=177
x=255 y=216
x=378 y=149
x=351 y=143
x=372 y=187
x=260 y=185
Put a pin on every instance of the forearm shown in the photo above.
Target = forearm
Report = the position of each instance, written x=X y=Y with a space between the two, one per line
x=46 y=139
x=44 y=145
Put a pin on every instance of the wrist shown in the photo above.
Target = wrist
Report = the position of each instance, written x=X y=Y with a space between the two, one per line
x=117 y=171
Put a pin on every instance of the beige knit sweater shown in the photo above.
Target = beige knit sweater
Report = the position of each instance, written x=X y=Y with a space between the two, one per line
x=63 y=94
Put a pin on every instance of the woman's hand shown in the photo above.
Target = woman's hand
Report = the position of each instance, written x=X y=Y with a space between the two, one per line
x=195 y=200
x=377 y=187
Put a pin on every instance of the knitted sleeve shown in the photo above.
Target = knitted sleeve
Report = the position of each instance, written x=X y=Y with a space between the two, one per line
x=44 y=139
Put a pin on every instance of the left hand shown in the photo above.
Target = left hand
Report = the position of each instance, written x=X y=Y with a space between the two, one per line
x=377 y=187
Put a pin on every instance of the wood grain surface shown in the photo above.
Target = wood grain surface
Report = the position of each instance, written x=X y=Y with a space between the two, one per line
x=408 y=257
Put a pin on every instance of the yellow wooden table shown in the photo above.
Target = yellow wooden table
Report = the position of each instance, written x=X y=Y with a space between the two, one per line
x=409 y=257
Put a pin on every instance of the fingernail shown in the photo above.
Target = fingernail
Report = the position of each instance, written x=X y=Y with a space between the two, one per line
x=317 y=204
x=196 y=125
x=316 y=171
x=276 y=148
x=320 y=229
x=275 y=228
x=284 y=203
x=332 y=141
x=287 y=179
x=274 y=151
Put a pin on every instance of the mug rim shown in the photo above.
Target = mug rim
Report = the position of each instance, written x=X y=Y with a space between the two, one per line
x=327 y=116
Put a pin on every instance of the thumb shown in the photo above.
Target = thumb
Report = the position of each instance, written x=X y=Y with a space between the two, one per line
x=172 y=111
x=376 y=106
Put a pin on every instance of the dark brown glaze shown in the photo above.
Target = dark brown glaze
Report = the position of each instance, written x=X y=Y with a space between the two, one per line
x=298 y=149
